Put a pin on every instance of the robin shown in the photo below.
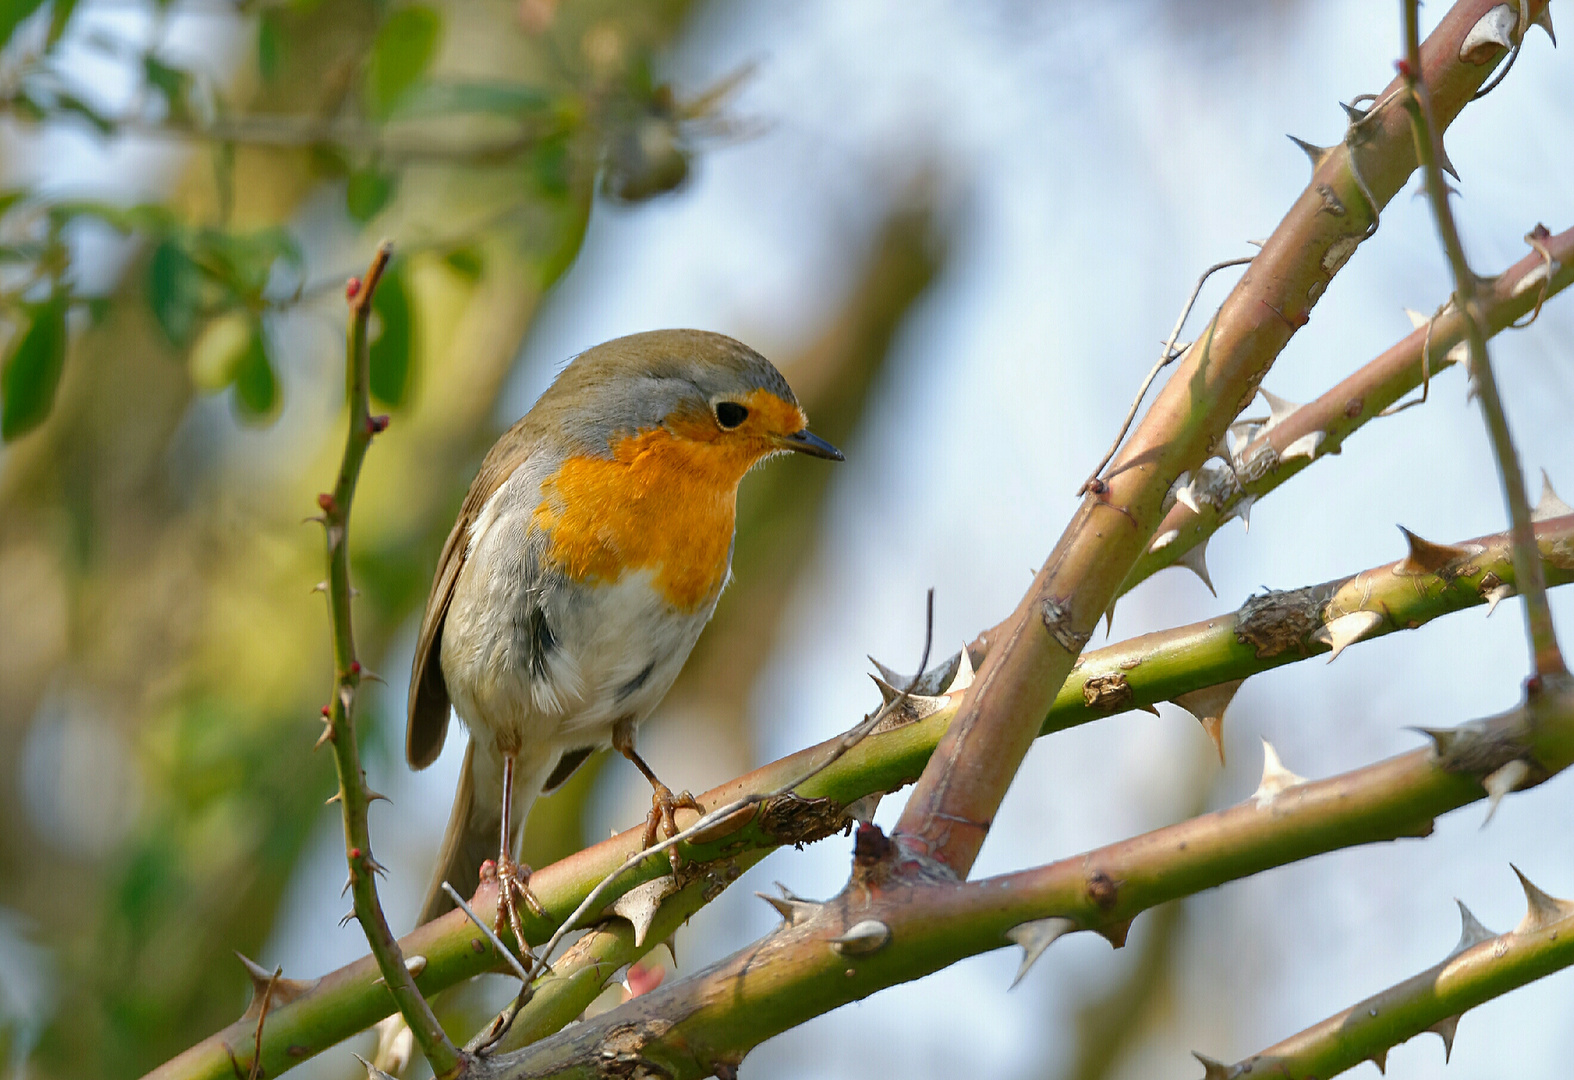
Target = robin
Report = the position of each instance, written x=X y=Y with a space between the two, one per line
x=589 y=553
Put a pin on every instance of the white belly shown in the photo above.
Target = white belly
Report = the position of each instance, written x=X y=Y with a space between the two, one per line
x=537 y=664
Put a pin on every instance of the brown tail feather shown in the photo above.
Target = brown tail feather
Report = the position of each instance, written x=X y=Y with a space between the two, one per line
x=470 y=839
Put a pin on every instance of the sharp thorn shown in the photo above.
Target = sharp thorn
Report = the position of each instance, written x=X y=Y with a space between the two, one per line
x=1243 y=510
x=1544 y=20
x=1196 y=560
x=863 y=810
x=863 y=938
x=1502 y=781
x=1279 y=409
x=1275 y=777
x=640 y=904
x=1316 y=154
x=888 y=693
x=1035 y=937
x=1418 y=321
x=1541 y=909
x=792 y=909
x=1116 y=933
x=1549 y=506
x=1445 y=1029
x=1497 y=594
x=1443 y=739
x=1306 y=446
x=372 y=1071
x=1208 y=706
x=1425 y=557
x=1491 y=32
x=1213 y=1069
x=1163 y=540
x=1471 y=932
x=1346 y=630
x=964 y=672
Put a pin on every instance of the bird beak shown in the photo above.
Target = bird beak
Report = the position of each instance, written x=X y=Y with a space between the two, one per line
x=806 y=442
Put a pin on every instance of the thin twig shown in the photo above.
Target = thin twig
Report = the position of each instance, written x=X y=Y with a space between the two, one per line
x=1522 y=27
x=1166 y=358
x=491 y=935
x=851 y=738
x=354 y=795
x=1537 y=238
x=262 y=1015
x=1426 y=369
x=1546 y=658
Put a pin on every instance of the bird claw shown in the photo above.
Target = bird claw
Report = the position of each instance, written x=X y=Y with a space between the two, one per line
x=664 y=806
x=513 y=885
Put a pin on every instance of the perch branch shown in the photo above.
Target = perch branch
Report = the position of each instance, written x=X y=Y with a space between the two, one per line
x=888 y=927
x=1155 y=667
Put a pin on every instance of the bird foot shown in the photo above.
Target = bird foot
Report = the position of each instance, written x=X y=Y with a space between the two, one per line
x=513 y=885
x=664 y=806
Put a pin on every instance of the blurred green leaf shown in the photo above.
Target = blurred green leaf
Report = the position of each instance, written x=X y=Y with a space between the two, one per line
x=550 y=165
x=9 y=199
x=390 y=356
x=32 y=370
x=59 y=18
x=12 y=12
x=256 y=388
x=444 y=98
x=72 y=105
x=174 y=291
x=270 y=44
x=368 y=191
x=466 y=261
x=243 y=262
x=218 y=351
x=149 y=217
x=171 y=82
x=405 y=46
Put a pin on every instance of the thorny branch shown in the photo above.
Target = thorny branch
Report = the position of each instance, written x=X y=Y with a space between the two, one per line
x=339 y=715
x=1482 y=966
x=1270 y=450
x=1546 y=658
x=950 y=812
x=887 y=926
x=712 y=818
x=1167 y=356
x=1174 y=665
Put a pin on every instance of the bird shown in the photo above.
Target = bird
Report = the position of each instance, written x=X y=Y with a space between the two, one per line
x=588 y=554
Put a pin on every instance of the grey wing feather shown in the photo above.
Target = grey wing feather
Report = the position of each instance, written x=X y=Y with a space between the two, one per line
x=429 y=700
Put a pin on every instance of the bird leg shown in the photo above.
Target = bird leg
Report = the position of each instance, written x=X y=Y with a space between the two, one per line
x=513 y=878
x=664 y=805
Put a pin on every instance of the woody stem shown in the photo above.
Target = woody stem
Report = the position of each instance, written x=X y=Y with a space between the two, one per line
x=354 y=795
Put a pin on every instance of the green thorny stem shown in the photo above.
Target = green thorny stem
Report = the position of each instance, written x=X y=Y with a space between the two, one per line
x=1482 y=966
x=1546 y=659
x=1269 y=454
x=889 y=925
x=1267 y=632
x=354 y=795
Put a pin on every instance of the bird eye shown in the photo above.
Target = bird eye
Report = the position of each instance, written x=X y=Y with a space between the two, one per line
x=729 y=414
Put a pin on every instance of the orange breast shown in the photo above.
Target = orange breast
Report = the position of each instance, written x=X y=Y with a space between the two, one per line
x=662 y=503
